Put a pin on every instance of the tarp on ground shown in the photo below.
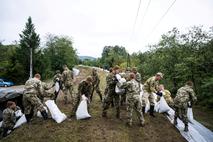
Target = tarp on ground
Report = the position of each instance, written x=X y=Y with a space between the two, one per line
x=10 y=93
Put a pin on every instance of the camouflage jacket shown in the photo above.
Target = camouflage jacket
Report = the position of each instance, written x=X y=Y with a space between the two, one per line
x=57 y=77
x=132 y=87
x=184 y=95
x=96 y=79
x=167 y=97
x=9 y=118
x=151 y=85
x=111 y=81
x=85 y=89
x=67 y=77
x=33 y=86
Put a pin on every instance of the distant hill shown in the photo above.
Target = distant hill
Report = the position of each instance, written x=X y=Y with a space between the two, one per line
x=86 y=58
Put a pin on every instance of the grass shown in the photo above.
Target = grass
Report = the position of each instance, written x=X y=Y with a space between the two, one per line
x=96 y=129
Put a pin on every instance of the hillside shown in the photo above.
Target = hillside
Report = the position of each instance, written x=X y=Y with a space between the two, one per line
x=82 y=58
x=97 y=128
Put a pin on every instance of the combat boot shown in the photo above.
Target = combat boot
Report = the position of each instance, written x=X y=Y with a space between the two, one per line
x=104 y=114
x=175 y=121
x=28 y=117
x=151 y=112
x=44 y=115
x=186 y=129
x=143 y=110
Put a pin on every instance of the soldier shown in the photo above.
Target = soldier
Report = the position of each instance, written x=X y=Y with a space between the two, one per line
x=133 y=99
x=9 y=118
x=57 y=79
x=67 y=79
x=137 y=75
x=111 y=82
x=107 y=88
x=166 y=95
x=185 y=98
x=84 y=88
x=33 y=88
x=95 y=84
x=150 y=87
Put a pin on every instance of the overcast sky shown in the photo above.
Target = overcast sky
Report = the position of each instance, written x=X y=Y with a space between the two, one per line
x=93 y=24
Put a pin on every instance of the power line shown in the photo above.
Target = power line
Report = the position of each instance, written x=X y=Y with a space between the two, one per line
x=139 y=5
x=159 y=21
x=145 y=12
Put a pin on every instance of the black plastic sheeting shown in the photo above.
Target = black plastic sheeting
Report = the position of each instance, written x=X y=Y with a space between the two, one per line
x=10 y=94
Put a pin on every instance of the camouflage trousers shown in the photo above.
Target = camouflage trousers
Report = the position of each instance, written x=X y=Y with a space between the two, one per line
x=148 y=96
x=112 y=96
x=181 y=113
x=134 y=104
x=68 y=91
x=98 y=91
x=31 y=102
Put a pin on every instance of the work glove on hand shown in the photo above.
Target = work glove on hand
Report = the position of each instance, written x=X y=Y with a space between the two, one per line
x=159 y=94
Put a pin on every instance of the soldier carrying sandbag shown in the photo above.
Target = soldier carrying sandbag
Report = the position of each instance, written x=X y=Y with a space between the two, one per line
x=185 y=98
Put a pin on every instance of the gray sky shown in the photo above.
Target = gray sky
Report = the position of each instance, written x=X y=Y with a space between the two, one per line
x=93 y=24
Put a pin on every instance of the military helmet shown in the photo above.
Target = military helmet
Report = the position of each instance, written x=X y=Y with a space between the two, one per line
x=128 y=69
x=134 y=69
x=116 y=67
x=58 y=71
x=159 y=74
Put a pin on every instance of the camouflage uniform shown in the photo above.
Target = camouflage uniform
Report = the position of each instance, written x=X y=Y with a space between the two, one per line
x=9 y=120
x=111 y=82
x=133 y=100
x=33 y=88
x=184 y=95
x=150 y=87
x=84 y=88
x=96 y=82
x=57 y=78
x=67 y=79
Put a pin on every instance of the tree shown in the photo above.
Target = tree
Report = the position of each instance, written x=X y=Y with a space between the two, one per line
x=29 y=42
x=58 y=52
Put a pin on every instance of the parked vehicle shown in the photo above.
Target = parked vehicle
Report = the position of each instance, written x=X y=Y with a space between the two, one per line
x=5 y=83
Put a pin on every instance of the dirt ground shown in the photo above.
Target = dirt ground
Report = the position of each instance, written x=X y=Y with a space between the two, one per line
x=96 y=129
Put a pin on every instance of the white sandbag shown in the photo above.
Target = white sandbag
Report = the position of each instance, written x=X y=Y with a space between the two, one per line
x=190 y=115
x=20 y=121
x=162 y=106
x=57 y=86
x=1 y=124
x=117 y=89
x=82 y=112
x=75 y=71
x=56 y=114
x=18 y=113
x=118 y=76
x=39 y=113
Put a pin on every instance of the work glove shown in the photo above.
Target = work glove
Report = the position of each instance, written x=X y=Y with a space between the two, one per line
x=189 y=104
x=159 y=94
